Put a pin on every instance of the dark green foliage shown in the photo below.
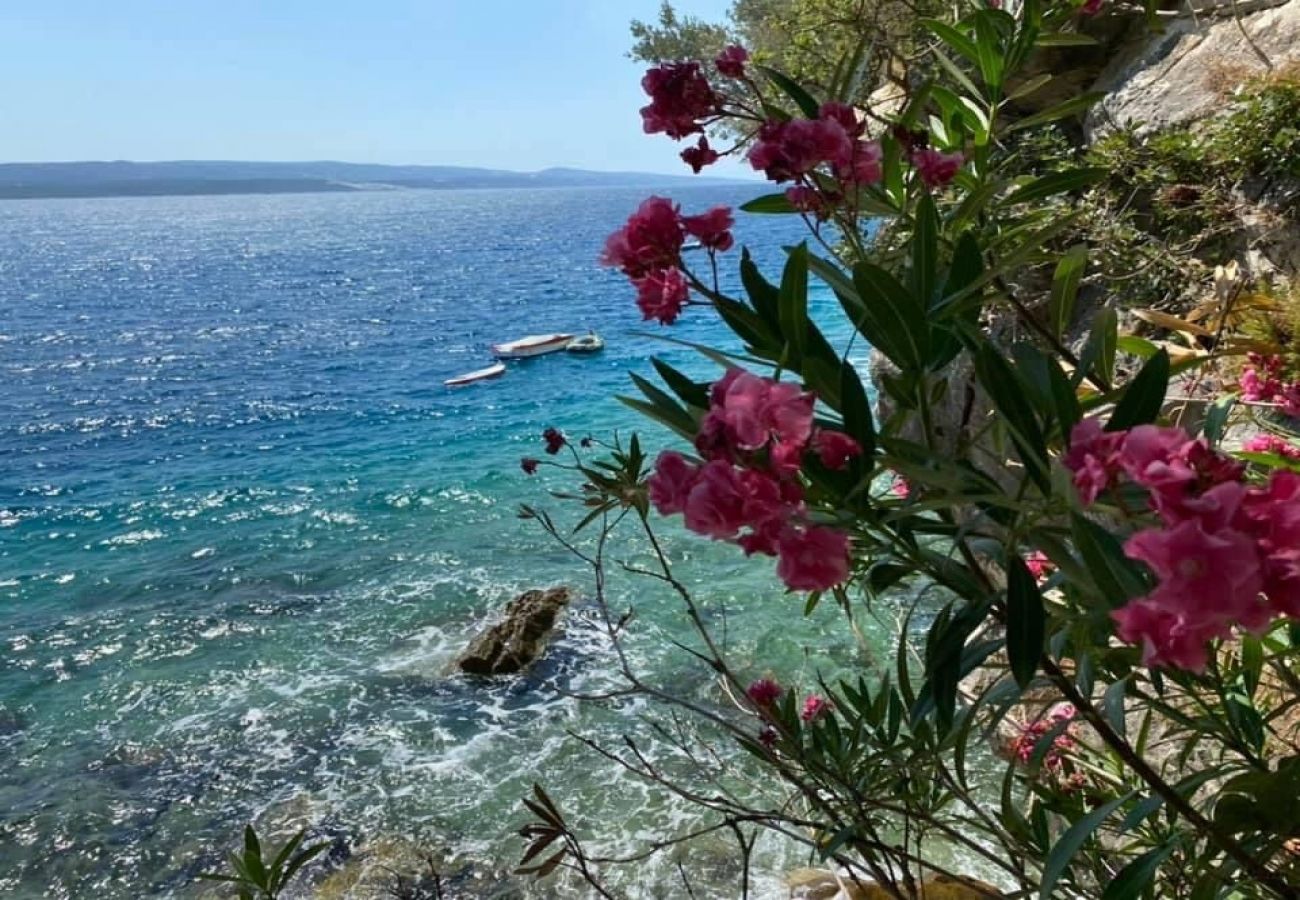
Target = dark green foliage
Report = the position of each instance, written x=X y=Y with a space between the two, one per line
x=264 y=878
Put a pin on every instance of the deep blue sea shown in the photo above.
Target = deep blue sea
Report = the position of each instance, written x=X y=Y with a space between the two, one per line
x=244 y=529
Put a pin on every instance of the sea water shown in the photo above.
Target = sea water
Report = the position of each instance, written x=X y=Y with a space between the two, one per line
x=244 y=530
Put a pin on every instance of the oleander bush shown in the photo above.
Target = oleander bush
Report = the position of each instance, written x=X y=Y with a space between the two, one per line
x=1104 y=599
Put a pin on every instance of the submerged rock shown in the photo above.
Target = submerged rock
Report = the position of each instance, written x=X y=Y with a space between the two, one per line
x=518 y=639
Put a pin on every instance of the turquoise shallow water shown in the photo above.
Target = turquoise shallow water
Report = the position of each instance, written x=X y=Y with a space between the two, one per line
x=243 y=527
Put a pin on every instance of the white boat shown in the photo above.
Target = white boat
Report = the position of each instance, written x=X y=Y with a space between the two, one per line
x=496 y=370
x=533 y=345
x=588 y=343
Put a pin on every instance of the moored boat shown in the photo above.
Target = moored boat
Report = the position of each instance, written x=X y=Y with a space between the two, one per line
x=532 y=345
x=587 y=343
x=496 y=370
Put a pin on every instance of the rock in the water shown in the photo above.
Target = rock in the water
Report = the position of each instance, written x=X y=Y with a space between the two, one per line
x=520 y=638
x=812 y=884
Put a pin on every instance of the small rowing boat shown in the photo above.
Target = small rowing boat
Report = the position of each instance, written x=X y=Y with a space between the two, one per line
x=496 y=370
x=588 y=343
x=533 y=345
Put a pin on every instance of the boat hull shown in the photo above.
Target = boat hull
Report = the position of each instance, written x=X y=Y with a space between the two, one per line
x=493 y=371
x=531 y=346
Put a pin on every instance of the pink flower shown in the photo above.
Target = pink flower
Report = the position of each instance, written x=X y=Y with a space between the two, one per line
x=846 y=116
x=661 y=295
x=554 y=440
x=529 y=465
x=767 y=736
x=835 y=448
x=712 y=228
x=806 y=199
x=1091 y=7
x=680 y=97
x=812 y=558
x=788 y=412
x=715 y=505
x=764 y=692
x=935 y=167
x=1272 y=514
x=731 y=61
x=1039 y=565
x=700 y=155
x=900 y=487
x=814 y=708
x=787 y=150
x=1093 y=457
x=1025 y=743
x=650 y=241
x=864 y=166
x=671 y=482
x=1166 y=638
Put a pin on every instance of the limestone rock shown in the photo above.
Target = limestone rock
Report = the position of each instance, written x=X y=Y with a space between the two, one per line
x=1161 y=80
x=520 y=638
x=936 y=887
x=812 y=884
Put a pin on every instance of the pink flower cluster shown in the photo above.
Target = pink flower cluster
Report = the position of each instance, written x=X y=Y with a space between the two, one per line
x=1225 y=555
x=789 y=151
x=648 y=249
x=1026 y=741
x=1271 y=443
x=1263 y=382
x=681 y=99
x=753 y=441
x=935 y=167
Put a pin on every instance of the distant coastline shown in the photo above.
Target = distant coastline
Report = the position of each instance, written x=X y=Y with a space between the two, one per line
x=203 y=177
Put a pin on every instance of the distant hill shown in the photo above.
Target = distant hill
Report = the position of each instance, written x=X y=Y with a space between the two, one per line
x=125 y=179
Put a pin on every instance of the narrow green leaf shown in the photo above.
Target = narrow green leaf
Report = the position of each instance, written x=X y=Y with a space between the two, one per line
x=807 y=104
x=1025 y=88
x=1010 y=398
x=897 y=316
x=1056 y=183
x=1115 y=574
x=856 y=409
x=959 y=42
x=691 y=393
x=1132 y=881
x=1071 y=107
x=668 y=420
x=1065 y=287
x=792 y=303
x=1026 y=620
x=1144 y=397
x=769 y=204
x=1216 y=419
x=1063 y=851
x=988 y=45
x=1065 y=39
x=925 y=251
x=1098 y=356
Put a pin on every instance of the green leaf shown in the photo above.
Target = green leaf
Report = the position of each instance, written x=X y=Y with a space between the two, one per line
x=1065 y=287
x=1071 y=107
x=959 y=42
x=1009 y=396
x=1112 y=706
x=925 y=251
x=1144 y=397
x=1115 y=574
x=1063 y=851
x=691 y=393
x=667 y=419
x=253 y=856
x=1056 y=183
x=988 y=44
x=1098 y=356
x=957 y=74
x=1026 y=621
x=1028 y=87
x=1131 y=881
x=1216 y=419
x=1065 y=39
x=894 y=315
x=856 y=409
x=760 y=291
x=807 y=104
x=302 y=859
x=769 y=204
x=792 y=302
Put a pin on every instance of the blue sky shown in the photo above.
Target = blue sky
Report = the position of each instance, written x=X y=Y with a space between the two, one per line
x=519 y=84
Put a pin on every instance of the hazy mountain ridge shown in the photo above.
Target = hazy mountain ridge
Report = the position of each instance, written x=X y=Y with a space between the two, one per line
x=179 y=177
